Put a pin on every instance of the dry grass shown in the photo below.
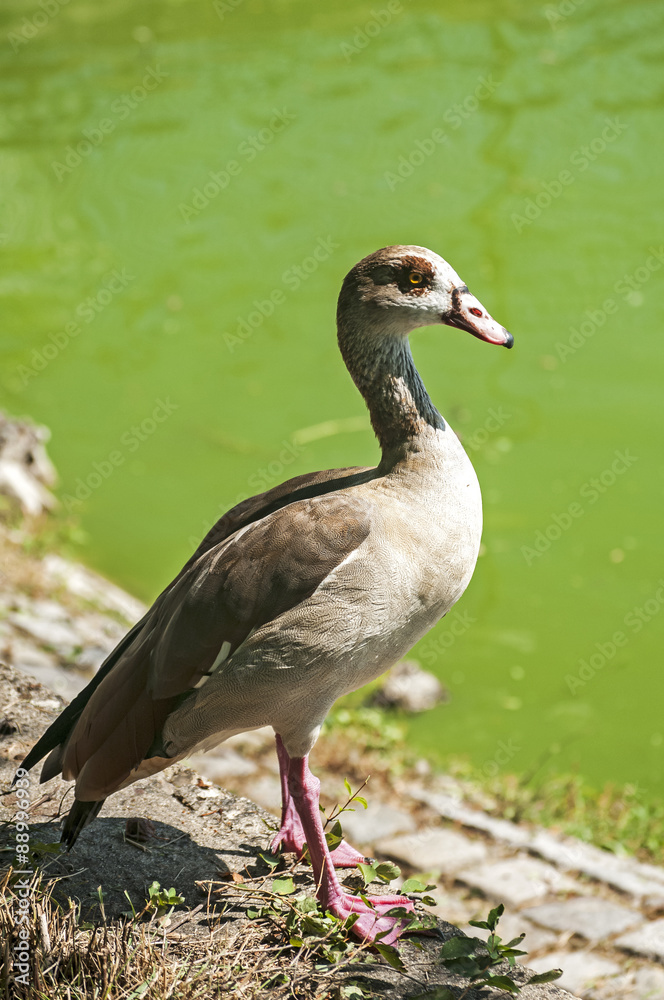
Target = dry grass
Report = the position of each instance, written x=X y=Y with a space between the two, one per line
x=144 y=956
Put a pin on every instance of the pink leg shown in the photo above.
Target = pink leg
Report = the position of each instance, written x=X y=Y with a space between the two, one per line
x=372 y=921
x=291 y=835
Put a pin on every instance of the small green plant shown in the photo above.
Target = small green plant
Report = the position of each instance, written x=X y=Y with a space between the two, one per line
x=335 y=834
x=383 y=871
x=162 y=901
x=475 y=958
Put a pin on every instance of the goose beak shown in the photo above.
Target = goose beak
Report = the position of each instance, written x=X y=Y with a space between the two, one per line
x=469 y=314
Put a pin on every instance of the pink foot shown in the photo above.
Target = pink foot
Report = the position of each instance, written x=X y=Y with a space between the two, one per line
x=290 y=838
x=374 y=921
x=301 y=821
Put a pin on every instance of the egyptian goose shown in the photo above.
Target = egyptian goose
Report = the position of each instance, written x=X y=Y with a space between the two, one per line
x=303 y=593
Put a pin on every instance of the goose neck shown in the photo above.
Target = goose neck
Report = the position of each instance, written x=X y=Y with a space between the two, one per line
x=382 y=367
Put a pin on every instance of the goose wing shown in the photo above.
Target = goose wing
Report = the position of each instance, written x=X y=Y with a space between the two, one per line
x=251 y=578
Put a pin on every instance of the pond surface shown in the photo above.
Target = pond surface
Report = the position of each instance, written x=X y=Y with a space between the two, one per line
x=184 y=186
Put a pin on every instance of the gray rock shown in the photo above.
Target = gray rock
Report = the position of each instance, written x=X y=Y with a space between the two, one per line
x=640 y=880
x=83 y=582
x=649 y=984
x=25 y=469
x=435 y=850
x=201 y=833
x=221 y=764
x=451 y=807
x=581 y=969
x=590 y=916
x=59 y=635
x=266 y=790
x=65 y=683
x=517 y=880
x=366 y=826
x=26 y=656
x=648 y=940
x=626 y=874
x=410 y=688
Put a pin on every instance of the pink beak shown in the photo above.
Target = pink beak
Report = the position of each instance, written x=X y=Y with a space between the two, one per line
x=469 y=314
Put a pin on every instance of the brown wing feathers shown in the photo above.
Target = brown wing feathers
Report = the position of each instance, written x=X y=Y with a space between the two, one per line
x=232 y=587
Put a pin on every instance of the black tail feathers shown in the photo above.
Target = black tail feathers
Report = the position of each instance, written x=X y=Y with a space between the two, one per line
x=80 y=814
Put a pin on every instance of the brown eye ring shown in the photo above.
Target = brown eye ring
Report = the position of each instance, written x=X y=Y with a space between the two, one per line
x=415 y=278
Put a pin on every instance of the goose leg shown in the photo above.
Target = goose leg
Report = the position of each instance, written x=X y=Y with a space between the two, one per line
x=373 y=920
x=291 y=835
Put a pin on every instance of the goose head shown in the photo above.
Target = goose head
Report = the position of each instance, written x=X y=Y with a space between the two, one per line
x=399 y=288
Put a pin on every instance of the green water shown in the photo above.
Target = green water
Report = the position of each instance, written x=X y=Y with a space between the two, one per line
x=523 y=144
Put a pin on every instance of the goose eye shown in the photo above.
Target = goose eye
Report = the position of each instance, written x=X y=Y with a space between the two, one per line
x=415 y=278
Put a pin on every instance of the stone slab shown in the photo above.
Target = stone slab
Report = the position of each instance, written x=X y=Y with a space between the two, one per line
x=435 y=850
x=643 y=881
x=222 y=764
x=630 y=876
x=589 y=916
x=450 y=807
x=366 y=826
x=581 y=969
x=517 y=881
x=647 y=940
x=511 y=925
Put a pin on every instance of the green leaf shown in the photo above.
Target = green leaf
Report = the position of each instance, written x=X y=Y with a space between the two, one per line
x=306 y=904
x=283 y=886
x=414 y=885
x=469 y=967
x=479 y=923
x=347 y=786
x=494 y=916
x=503 y=982
x=353 y=992
x=391 y=956
x=386 y=871
x=368 y=872
x=546 y=977
x=296 y=942
x=269 y=859
x=429 y=901
x=334 y=836
x=515 y=941
x=458 y=947
x=361 y=799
